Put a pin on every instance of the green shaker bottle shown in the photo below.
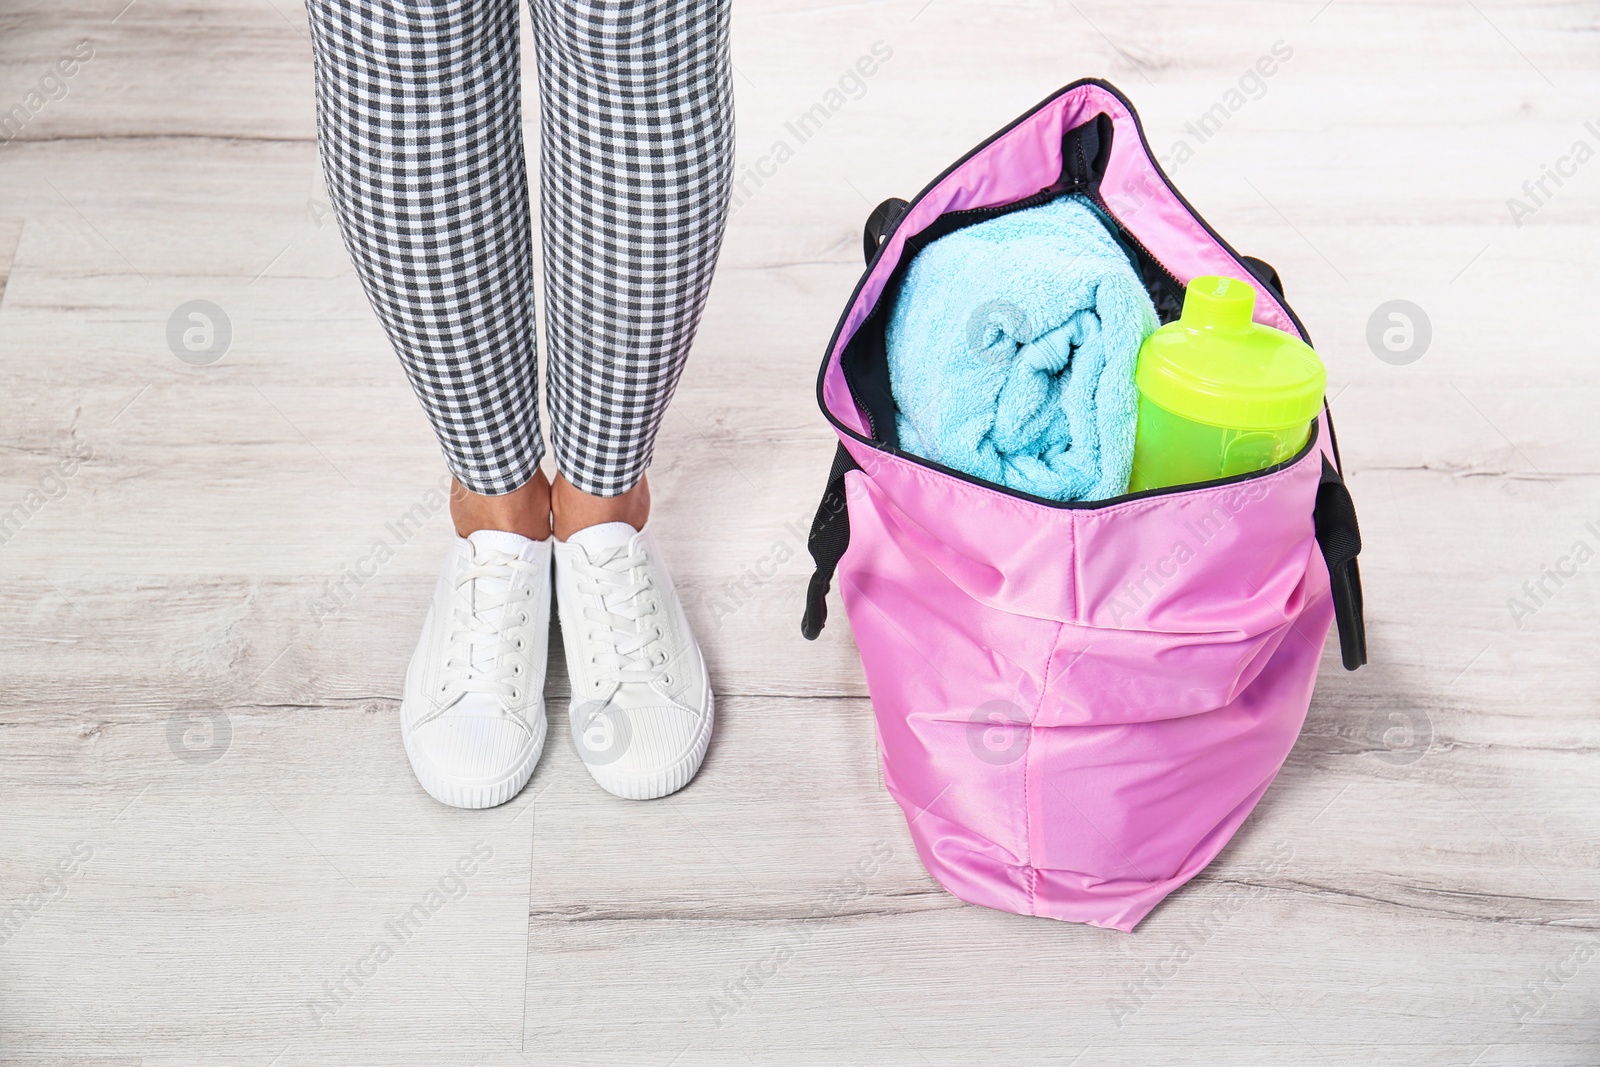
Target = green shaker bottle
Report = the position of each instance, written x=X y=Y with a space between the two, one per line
x=1219 y=394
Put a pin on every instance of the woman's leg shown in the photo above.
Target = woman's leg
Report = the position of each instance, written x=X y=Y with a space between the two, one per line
x=419 y=117
x=638 y=153
x=637 y=138
x=420 y=128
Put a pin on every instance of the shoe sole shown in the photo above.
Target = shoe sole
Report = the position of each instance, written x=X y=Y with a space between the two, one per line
x=658 y=784
x=476 y=793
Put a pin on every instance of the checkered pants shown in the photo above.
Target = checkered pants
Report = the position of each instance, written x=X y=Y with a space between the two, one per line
x=420 y=124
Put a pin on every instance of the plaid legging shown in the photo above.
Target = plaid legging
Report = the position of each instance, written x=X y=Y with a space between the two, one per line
x=420 y=125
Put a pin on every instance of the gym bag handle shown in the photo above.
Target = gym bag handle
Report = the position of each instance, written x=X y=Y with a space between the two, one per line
x=830 y=536
x=830 y=530
x=1340 y=539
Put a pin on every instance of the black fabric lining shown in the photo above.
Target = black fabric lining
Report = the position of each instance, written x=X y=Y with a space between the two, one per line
x=1085 y=151
x=1166 y=291
x=865 y=360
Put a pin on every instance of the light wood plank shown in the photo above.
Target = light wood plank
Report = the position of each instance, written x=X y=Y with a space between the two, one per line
x=1428 y=851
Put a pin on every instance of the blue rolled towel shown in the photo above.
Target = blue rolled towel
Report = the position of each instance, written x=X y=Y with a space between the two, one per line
x=1011 y=351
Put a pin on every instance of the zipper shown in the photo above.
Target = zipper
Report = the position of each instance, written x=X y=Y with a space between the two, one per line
x=983 y=214
x=1175 y=288
x=861 y=406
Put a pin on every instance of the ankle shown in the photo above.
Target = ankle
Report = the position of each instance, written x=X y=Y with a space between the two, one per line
x=572 y=509
x=525 y=510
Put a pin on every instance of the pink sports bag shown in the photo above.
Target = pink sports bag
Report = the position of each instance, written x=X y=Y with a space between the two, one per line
x=1077 y=704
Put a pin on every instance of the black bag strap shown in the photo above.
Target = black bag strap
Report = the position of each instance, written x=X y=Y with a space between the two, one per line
x=830 y=529
x=1338 y=534
x=830 y=536
x=882 y=218
x=1340 y=540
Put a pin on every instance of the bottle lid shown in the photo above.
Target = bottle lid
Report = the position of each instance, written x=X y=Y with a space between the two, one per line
x=1217 y=366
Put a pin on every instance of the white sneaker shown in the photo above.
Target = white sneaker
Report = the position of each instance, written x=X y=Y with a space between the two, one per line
x=641 y=700
x=473 y=712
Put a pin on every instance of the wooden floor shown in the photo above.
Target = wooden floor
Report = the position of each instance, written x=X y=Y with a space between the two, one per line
x=205 y=812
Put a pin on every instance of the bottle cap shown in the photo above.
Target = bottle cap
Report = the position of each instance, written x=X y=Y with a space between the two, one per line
x=1216 y=366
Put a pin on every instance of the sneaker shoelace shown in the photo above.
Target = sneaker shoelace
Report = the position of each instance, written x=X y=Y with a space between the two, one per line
x=617 y=614
x=483 y=655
